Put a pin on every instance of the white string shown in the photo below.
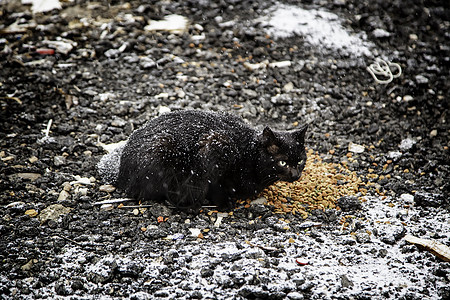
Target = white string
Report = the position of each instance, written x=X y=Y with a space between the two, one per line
x=384 y=69
x=49 y=125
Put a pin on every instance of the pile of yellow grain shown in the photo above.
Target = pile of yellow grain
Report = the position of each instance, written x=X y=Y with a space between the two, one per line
x=319 y=187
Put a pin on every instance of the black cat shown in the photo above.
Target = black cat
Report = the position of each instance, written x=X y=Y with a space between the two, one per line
x=192 y=158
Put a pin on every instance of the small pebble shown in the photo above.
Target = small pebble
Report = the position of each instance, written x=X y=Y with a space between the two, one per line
x=433 y=133
x=53 y=212
x=280 y=64
x=33 y=159
x=407 y=98
x=63 y=195
x=31 y=213
x=106 y=207
x=355 y=148
x=59 y=160
x=107 y=188
x=82 y=191
x=288 y=87
x=67 y=187
x=27 y=176
x=420 y=79
x=413 y=37
x=249 y=93
x=380 y=33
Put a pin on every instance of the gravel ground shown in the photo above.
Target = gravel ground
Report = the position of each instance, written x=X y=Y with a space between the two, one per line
x=76 y=80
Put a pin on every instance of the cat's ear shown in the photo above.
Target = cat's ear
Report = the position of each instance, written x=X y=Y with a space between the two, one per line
x=300 y=134
x=270 y=140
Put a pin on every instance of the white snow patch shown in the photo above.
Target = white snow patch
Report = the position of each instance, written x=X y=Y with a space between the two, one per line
x=43 y=5
x=407 y=144
x=171 y=23
x=394 y=154
x=319 y=28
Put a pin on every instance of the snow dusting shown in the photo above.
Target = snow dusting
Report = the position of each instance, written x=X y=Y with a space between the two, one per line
x=334 y=260
x=318 y=27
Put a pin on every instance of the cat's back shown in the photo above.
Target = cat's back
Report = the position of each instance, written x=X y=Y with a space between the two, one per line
x=191 y=125
x=183 y=137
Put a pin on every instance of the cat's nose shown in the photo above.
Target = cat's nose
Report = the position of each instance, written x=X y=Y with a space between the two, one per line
x=295 y=174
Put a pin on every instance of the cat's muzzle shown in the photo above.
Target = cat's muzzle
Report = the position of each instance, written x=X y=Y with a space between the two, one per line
x=291 y=175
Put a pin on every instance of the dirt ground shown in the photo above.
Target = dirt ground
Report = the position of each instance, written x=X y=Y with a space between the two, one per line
x=77 y=79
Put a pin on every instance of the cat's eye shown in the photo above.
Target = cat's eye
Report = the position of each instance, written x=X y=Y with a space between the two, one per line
x=282 y=163
x=300 y=162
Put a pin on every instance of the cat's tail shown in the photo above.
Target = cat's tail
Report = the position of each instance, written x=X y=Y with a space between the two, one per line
x=109 y=164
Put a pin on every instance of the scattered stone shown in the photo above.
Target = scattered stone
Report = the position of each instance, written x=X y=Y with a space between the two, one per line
x=288 y=87
x=63 y=289
x=147 y=62
x=407 y=98
x=355 y=148
x=425 y=199
x=63 y=195
x=63 y=46
x=83 y=191
x=53 y=212
x=81 y=180
x=420 y=79
x=280 y=64
x=363 y=237
x=103 y=270
x=107 y=96
x=249 y=93
x=106 y=207
x=390 y=233
x=107 y=188
x=380 y=33
x=348 y=241
x=59 y=161
x=16 y=204
x=163 y=110
x=118 y=122
x=31 y=213
x=33 y=159
x=256 y=66
x=26 y=176
x=413 y=37
x=29 y=265
x=281 y=99
x=67 y=187
x=433 y=133
x=345 y=282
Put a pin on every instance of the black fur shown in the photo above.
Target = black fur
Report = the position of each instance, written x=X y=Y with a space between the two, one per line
x=192 y=158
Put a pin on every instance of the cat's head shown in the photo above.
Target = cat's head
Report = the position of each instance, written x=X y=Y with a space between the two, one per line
x=284 y=153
